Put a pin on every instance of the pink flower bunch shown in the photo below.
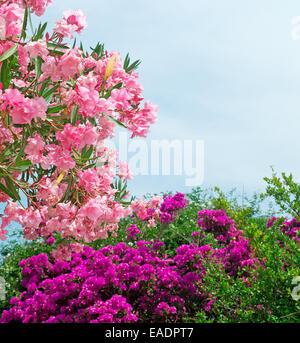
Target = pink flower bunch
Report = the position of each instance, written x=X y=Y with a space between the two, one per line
x=36 y=6
x=113 y=285
x=146 y=211
x=58 y=106
x=11 y=20
x=22 y=109
x=37 y=48
x=164 y=209
x=73 y=21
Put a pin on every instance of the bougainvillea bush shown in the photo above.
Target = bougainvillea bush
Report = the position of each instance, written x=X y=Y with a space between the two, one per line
x=94 y=254
x=236 y=276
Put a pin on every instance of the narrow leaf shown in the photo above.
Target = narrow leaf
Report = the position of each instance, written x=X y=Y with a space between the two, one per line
x=116 y=121
x=9 y=53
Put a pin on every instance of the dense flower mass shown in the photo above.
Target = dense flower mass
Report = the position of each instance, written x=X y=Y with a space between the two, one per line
x=113 y=285
x=217 y=222
x=58 y=106
x=236 y=254
x=171 y=206
x=138 y=281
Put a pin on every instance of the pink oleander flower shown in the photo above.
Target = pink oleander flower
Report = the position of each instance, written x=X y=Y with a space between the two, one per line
x=58 y=157
x=140 y=207
x=155 y=201
x=23 y=59
x=77 y=136
x=11 y=20
x=35 y=148
x=41 y=114
x=36 y=6
x=89 y=179
x=70 y=64
x=23 y=110
x=72 y=22
x=124 y=171
x=37 y=48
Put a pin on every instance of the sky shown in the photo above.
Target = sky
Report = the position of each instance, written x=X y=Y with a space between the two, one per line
x=223 y=72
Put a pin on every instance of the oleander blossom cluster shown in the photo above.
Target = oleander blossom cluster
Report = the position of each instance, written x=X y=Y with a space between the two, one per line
x=159 y=209
x=112 y=285
x=235 y=252
x=59 y=105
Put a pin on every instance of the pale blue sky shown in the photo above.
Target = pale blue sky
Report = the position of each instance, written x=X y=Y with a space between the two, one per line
x=226 y=72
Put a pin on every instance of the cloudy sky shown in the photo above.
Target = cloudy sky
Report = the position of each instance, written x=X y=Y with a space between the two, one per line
x=225 y=72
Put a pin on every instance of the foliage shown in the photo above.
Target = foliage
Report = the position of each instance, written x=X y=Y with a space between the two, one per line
x=285 y=191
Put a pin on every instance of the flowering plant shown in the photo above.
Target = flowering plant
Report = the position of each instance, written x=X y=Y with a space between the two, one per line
x=112 y=285
x=58 y=105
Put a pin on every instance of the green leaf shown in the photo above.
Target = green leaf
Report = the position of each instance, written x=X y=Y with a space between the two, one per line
x=49 y=93
x=74 y=44
x=55 y=109
x=22 y=165
x=25 y=23
x=99 y=50
x=115 y=121
x=38 y=66
x=129 y=67
x=44 y=85
x=40 y=32
x=9 y=53
x=11 y=148
x=60 y=46
x=12 y=188
x=76 y=152
x=57 y=52
x=6 y=190
x=117 y=86
x=100 y=164
x=86 y=154
x=5 y=74
x=74 y=115
x=93 y=165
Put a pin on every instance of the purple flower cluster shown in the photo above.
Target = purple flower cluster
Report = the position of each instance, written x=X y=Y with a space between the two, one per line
x=171 y=206
x=132 y=231
x=217 y=222
x=271 y=222
x=112 y=285
x=235 y=254
x=289 y=228
x=238 y=258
